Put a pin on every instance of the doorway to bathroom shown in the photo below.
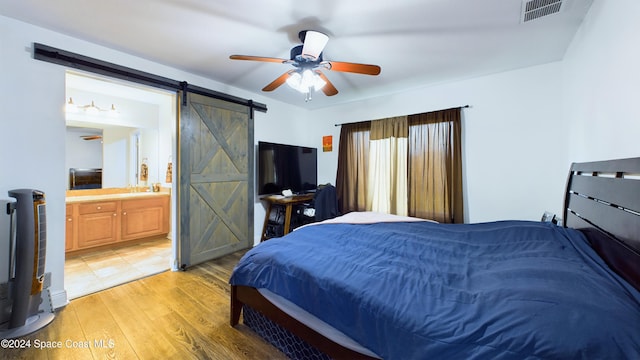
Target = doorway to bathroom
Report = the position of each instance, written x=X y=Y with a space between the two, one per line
x=120 y=146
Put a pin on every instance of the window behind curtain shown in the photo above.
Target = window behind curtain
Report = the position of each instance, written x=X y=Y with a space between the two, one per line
x=434 y=166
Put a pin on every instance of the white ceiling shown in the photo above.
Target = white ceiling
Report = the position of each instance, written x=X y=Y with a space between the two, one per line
x=416 y=42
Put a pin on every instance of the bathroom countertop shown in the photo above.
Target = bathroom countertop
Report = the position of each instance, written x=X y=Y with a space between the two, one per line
x=118 y=196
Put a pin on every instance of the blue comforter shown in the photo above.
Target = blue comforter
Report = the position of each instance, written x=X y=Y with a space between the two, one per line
x=501 y=290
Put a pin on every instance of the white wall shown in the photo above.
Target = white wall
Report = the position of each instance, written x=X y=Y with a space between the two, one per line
x=166 y=137
x=33 y=132
x=33 y=146
x=601 y=74
x=512 y=134
x=285 y=125
x=149 y=146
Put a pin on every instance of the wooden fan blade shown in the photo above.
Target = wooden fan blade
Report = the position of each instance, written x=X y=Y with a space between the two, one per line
x=279 y=81
x=328 y=88
x=258 y=58
x=91 y=137
x=354 y=68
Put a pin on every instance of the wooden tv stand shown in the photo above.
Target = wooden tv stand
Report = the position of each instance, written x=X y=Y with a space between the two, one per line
x=288 y=202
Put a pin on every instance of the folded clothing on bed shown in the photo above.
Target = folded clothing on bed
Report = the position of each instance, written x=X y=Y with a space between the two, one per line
x=509 y=289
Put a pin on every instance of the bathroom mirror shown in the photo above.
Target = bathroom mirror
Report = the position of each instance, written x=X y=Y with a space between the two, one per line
x=112 y=127
x=110 y=157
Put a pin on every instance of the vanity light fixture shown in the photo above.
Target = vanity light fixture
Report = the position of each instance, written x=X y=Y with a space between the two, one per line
x=70 y=107
x=89 y=109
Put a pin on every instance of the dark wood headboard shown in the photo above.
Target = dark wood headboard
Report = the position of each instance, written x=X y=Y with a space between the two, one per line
x=603 y=201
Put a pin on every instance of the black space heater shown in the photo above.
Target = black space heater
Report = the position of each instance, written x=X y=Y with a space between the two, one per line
x=28 y=242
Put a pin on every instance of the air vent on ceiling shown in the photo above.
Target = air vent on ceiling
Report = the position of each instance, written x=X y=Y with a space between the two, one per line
x=535 y=9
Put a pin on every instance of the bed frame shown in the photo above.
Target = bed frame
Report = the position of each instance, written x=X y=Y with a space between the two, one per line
x=251 y=297
x=602 y=200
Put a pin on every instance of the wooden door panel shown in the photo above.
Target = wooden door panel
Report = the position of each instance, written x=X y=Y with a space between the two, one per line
x=222 y=142
x=216 y=183
x=226 y=203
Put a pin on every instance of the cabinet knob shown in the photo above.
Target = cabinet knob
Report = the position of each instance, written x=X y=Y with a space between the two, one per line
x=124 y=213
x=99 y=207
x=114 y=214
x=69 y=219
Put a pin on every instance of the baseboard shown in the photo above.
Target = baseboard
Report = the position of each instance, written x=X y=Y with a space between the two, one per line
x=59 y=299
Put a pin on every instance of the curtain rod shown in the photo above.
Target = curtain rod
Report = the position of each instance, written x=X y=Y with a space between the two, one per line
x=357 y=122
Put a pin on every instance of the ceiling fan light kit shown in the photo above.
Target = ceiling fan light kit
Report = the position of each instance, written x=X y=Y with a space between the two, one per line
x=307 y=60
x=305 y=82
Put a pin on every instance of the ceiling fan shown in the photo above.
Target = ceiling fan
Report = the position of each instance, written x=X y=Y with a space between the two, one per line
x=91 y=137
x=307 y=61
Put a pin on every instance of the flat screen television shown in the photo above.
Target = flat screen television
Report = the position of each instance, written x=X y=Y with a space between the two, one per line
x=282 y=167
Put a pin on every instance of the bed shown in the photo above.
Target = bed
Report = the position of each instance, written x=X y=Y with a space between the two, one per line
x=406 y=289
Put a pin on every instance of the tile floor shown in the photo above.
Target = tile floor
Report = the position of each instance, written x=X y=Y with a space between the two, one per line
x=90 y=272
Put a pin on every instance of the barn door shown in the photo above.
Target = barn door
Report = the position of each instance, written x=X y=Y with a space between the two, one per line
x=216 y=178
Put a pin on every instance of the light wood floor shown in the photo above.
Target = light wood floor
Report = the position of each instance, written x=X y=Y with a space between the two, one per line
x=172 y=315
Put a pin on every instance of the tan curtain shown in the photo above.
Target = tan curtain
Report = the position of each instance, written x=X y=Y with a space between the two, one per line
x=353 y=156
x=387 y=174
x=435 y=166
